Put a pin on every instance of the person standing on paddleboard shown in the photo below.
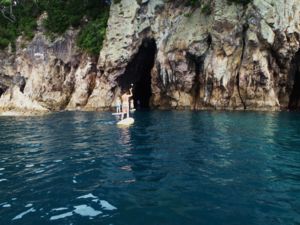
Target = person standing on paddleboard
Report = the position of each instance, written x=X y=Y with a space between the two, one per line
x=125 y=103
x=118 y=105
x=132 y=105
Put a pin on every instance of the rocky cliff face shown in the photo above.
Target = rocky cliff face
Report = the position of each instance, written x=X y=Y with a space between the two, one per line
x=177 y=56
x=55 y=75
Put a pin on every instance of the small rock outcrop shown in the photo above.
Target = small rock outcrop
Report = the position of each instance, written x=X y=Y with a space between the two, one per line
x=216 y=56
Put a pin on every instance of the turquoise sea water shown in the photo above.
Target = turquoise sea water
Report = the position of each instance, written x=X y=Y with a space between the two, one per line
x=169 y=168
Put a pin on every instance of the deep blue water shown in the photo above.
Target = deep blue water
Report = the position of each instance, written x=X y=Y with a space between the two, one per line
x=168 y=168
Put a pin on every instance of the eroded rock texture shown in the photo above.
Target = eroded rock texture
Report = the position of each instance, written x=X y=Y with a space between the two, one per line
x=177 y=56
x=235 y=58
x=51 y=75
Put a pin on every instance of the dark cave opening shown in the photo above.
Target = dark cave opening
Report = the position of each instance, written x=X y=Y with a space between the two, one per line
x=138 y=73
x=294 y=102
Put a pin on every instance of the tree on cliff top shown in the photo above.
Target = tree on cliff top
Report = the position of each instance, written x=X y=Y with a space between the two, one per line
x=6 y=8
x=17 y=17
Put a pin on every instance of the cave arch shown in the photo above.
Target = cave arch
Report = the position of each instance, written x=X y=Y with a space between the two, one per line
x=294 y=99
x=138 y=73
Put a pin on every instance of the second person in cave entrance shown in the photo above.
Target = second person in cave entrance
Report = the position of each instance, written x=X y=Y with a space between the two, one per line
x=125 y=103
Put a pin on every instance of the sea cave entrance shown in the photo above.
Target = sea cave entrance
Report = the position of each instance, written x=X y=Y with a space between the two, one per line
x=138 y=73
x=294 y=102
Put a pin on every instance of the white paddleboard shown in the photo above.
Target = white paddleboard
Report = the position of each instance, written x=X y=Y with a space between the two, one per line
x=126 y=122
x=132 y=110
x=117 y=114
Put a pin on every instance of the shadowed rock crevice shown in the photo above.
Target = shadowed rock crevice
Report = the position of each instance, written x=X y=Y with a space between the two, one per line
x=3 y=89
x=294 y=103
x=244 y=34
x=197 y=63
x=7 y=82
x=20 y=81
x=138 y=73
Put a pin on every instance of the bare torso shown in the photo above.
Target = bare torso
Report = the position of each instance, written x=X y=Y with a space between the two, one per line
x=125 y=99
x=125 y=103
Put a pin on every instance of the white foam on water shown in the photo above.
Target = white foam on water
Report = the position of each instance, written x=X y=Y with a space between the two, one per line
x=95 y=200
x=1 y=174
x=85 y=210
x=28 y=205
x=3 y=203
x=61 y=216
x=29 y=165
x=13 y=199
x=90 y=195
x=57 y=161
x=23 y=214
x=106 y=205
x=74 y=181
x=129 y=181
x=3 y=180
x=6 y=206
x=59 y=209
x=39 y=171
x=128 y=168
x=2 y=169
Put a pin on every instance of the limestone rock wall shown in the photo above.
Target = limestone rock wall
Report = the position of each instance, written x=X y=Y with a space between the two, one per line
x=55 y=74
x=236 y=57
x=233 y=57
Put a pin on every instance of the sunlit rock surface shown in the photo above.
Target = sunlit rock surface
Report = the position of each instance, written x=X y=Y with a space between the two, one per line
x=234 y=57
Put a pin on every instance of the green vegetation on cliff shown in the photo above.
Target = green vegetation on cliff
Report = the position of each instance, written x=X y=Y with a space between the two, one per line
x=92 y=15
x=19 y=18
x=65 y=13
x=92 y=35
